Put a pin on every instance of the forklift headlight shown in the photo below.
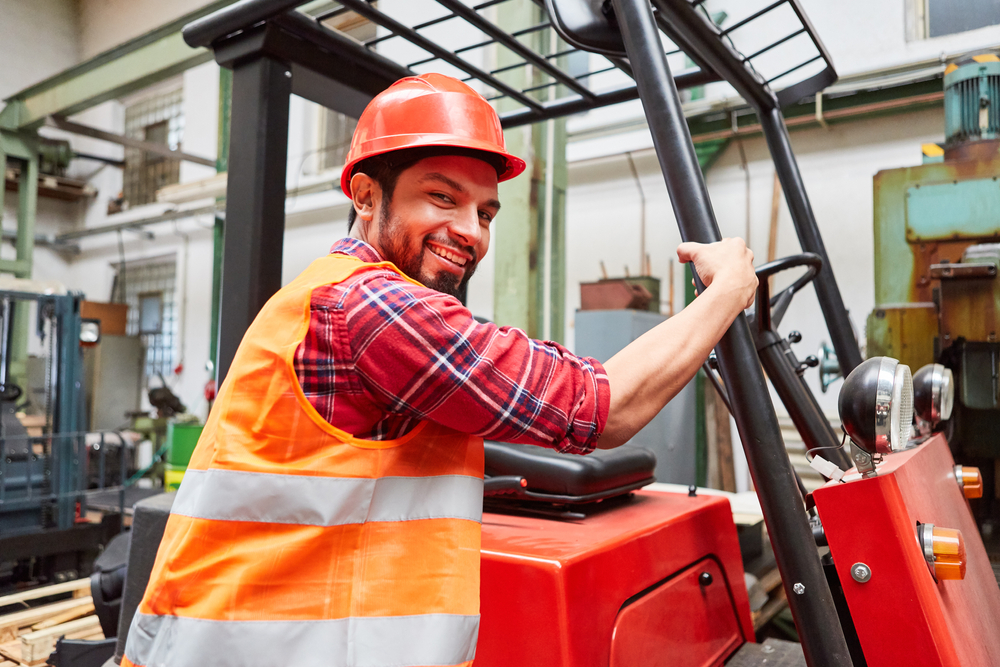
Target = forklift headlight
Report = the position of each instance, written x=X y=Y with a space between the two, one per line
x=876 y=405
x=933 y=393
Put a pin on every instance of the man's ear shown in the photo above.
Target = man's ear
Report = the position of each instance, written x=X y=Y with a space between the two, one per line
x=365 y=193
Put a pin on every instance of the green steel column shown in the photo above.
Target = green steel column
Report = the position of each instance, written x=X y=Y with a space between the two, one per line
x=514 y=241
x=3 y=175
x=519 y=235
x=560 y=179
x=221 y=165
x=515 y=234
x=700 y=425
x=27 y=195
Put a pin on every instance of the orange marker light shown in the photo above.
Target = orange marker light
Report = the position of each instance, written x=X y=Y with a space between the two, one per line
x=970 y=480
x=524 y=483
x=949 y=553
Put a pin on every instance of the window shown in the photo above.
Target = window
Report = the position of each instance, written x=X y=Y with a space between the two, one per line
x=335 y=132
x=148 y=288
x=935 y=18
x=151 y=313
x=336 y=129
x=157 y=118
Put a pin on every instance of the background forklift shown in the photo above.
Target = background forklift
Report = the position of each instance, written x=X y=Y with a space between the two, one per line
x=647 y=578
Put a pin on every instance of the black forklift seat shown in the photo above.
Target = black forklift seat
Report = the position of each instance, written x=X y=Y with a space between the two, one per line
x=527 y=472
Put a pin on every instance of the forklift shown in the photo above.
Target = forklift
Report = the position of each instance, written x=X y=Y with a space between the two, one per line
x=583 y=567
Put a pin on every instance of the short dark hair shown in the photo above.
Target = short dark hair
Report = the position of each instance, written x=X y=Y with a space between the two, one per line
x=385 y=169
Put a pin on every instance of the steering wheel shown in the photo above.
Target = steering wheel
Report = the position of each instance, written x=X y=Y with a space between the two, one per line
x=770 y=316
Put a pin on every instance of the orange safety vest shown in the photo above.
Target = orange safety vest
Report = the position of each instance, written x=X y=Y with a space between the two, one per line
x=290 y=542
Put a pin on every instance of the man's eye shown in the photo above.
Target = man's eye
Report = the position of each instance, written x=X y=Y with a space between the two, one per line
x=442 y=197
x=486 y=216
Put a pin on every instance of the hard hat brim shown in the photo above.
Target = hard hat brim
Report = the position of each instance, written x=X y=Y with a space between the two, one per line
x=512 y=165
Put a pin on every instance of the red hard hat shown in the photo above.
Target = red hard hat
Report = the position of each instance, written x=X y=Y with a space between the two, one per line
x=429 y=110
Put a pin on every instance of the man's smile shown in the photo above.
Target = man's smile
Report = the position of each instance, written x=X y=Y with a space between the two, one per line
x=454 y=256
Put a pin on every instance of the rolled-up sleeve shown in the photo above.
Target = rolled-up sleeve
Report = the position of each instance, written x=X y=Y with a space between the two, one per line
x=420 y=353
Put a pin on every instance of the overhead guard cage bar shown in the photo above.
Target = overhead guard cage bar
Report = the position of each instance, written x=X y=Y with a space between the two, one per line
x=275 y=50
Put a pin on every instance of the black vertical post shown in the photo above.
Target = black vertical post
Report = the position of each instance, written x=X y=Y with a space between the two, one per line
x=255 y=199
x=794 y=547
x=831 y=302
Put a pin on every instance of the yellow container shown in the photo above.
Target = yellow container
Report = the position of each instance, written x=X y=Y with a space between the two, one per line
x=172 y=477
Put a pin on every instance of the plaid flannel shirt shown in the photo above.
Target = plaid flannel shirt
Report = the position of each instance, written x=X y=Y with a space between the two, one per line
x=383 y=354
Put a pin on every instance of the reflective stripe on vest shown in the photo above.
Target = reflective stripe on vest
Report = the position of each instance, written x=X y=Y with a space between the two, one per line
x=290 y=542
x=235 y=495
x=399 y=641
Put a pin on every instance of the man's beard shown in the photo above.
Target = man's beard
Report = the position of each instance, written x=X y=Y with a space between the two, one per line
x=396 y=248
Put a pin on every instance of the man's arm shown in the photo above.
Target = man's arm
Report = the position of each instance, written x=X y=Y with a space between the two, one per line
x=418 y=353
x=655 y=367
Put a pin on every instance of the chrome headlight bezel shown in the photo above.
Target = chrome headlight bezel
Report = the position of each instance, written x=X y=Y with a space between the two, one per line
x=876 y=405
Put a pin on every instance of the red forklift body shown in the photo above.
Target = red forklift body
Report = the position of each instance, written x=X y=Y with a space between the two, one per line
x=903 y=616
x=655 y=580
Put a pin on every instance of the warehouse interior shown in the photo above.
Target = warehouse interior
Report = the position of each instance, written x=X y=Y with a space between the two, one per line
x=169 y=167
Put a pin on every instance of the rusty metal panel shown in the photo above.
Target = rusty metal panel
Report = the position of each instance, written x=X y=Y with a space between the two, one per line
x=641 y=293
x=969 y=310
x=904 y=331
x=902 y=267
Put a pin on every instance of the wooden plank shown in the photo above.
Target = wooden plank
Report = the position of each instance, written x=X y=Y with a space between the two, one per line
x=763 y=615
x=64 y=617
x=11 y=650
x=770 y=580
x=38 y=645
x=45 y=591
x=11 y=623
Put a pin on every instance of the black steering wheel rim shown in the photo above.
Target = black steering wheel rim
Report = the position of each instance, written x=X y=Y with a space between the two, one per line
x=776 y=306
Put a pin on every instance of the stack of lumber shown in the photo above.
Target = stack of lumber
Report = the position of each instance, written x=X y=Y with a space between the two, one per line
x=28 y=632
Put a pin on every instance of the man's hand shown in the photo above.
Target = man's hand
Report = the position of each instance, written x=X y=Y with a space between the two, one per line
x=653 y=368
x=727 y=264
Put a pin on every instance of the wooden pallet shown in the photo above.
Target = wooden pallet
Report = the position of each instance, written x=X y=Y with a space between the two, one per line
x=29 y=634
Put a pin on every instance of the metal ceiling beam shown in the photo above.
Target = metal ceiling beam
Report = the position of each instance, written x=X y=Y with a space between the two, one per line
x=122 y=140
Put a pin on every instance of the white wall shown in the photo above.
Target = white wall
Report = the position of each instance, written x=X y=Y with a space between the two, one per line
x=862 y=35
x=37 y=39
x=104 y=24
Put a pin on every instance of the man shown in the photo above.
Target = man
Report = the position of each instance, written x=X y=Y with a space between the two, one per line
x=330 y=513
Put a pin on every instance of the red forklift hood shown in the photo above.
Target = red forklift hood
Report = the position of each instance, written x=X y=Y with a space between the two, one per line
x=624 y=586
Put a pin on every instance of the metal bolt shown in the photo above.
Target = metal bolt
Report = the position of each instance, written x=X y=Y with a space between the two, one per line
x=705 y=578
x=861 y=573
x=860 y=458
x=767 y=649
x=288 y=74
x=799 y=589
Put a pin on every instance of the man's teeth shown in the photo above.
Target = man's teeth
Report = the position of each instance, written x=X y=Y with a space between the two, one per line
x=451 y=257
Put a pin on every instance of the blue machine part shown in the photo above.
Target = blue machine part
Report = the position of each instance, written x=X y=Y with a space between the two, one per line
x=42 y=479
x=952 y=211
x=972 y=99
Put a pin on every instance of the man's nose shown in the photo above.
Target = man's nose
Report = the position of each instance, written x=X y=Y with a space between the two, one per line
x=465 y=226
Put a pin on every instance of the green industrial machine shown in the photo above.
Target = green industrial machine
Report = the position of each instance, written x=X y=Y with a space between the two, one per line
x=937 y=254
